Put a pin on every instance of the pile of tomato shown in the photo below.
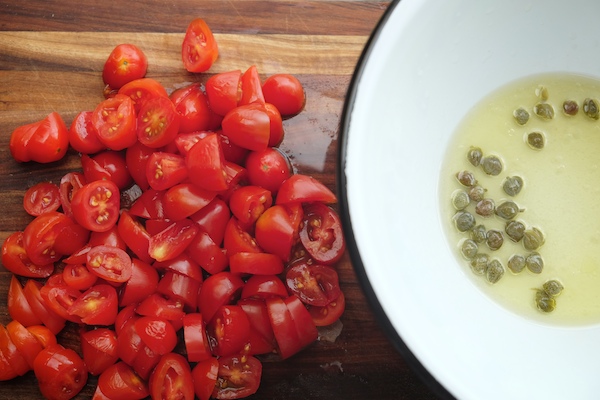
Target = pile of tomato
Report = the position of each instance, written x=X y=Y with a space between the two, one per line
x=221 y=255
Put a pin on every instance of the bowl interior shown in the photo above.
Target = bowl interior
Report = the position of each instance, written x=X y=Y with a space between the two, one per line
x=427 y=64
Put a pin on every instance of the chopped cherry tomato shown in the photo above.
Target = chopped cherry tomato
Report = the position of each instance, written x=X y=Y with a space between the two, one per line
x=182 y=264
x=238 y=377
x=228 y=330
x=204 y=375
x=157 y=305
x=11 y=359
x=192 y=106
x=135 y=235
x=43 y=142
x=213 y=219
x=149 y=205
x=143 y=282
x=156 y=333
x=172 y=241
x=111 y=237
x=255 y=263
x=18 y=306
x=206 y=253
x=119 y=381
x=41 y=235
x=199 y=49
x=60 y=372
x=195 y=339
x=49 y=318
x=251 y=87
x=268 y=168
x=284 y=328
x=224 y=91
x=172 y=378
x=184 y=199
x=19 y=139
x=125 y=63
x=305 y=326
x=83 y=136
x=262 y=338
x=276 y=134
x=238 y=240
x=218 y=290
x=327 y=315
x=322 y=234
x=25 y=341
x=164 y=170
x=115 y=122
x=206 y=164
x=264 y=286
x=158 y=122
x=99 y=349
x=98 y=305
x=285 y=92
x=15 y=259
x=109 y=263
x=41 y=198
x=180 y=287
x=248 y=126
x=315 y=284
x=96 y=205
x=78 y=276
x=141 y=90
x=247 y=203
x=275 y=232
x=59 y=298
x=136 y=158
x=300 y=188
x=70 y=183
x=107 y=164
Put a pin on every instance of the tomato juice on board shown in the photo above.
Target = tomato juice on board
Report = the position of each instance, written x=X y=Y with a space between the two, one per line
x=559 y=194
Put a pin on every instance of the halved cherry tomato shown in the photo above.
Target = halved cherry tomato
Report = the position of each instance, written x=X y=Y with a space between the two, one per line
x=206 y=164
x=213 y=219
x=59 y=298
x=184 y=199
x=143 y=282
x=49 y=318
x=120 y=382
x=172 y=378
x=322 y=234
x=284 y=329
x=300 y=188
x=164 y=170
x=158 y=122
x=314 y=284
x=218 y=290
x=268 y=168
x=206 y=253
x=25 y=342
x=19 y=139
x=41 y=198
x=156 y=333
x=262 y=338
x=60 y=372
x=109 y=263
x=99 y=349
x=134 y=235
x=157 y=305
x=224 y=91
x=78 y=276
x=96 y=205
x=204 y=375
x=238 y=377
x=305 y=326
x=327 y=315
x=195 y=339
x=115 y=122
x=15 y=259
x=247 y=203
x=43 y=142
x=248 y=126
x=111 y=237
x=276 y=134
x=199 y=49
x=173 y=240
x=180 y=287
x=11 y=359
x=149 y=205
x=141 y=90
x=238 y=240
x=18 y=307
x=107 y=164
x=255 y=263
x=285 y=92
x=274 y=232
x=264 y=286
x=40 y=237
x=70 y=183
x=192 y=106
x=182 y=264
x=98 y=305
x=228 y=330
x=125 y=63
x=83 y=136
x=137 y=157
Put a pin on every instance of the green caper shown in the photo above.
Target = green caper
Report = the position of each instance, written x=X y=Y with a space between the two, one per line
x=544 y=110
x=494 y=271
x=460 y=199
x=591 y=108
x=485 y=207
x=515 y=230
x=492 y=165
x=507 y=210
x=536 y=140
x=570 y=107
x=474 y=156
x=476 y=193
x=478 y=234
x=553 y=287
x=464 y=221
x=469 y=249
x=544 y=302
x=534 y=263
x=495 y=239
x=521 y=116
x=512 y=185
x=516 y=263
x=533 y=239
x=479 y=263
x=466 y=178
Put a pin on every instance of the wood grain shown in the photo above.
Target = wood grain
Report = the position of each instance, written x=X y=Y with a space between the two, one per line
x=51 y=56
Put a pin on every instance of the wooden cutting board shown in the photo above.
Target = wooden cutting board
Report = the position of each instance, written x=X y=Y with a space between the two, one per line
x=51 y=57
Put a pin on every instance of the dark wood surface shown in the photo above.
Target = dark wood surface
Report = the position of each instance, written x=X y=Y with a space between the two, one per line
x=51 y=57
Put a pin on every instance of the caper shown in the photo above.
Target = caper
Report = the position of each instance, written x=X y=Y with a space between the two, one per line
x=591 y=108
x=515 y=230
x=464 y=221
x=534 y=263
x=494 y=239
x=516 y=263
x=521 y=115
x=491 y=165
x=542 y=92
x=494 y=271
x=478 y=234
x=544 y=110
x=460 y=199
x=507 y=209
x=466 y=178
x=553 y=287
x=476 y=193
x=479 y=263
x=570 y=107
x=544 y=302
x=469 y=249
x=485 y=207
x=512 y=185
x=536 y=140
x=474 y=156
x=533 y=239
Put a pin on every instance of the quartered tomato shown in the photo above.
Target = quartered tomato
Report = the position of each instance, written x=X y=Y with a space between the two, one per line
x=228 y=330
x=251 y=87
x=109 y=165
x=164 y=170
x=99 y=349
x=322 y=234
x=173 y=240
x=83 y=136
x=120 y=382
x=15 y=259
x=157 y=122
x=96 y=205
x=185 y=199
x=300 y=188
x=143 y=282
x=206 y=164
x=141 y=90
x=60 y=372
x=109 y=263
x=199 y=50
x=192 y=106
x=98 y=305
x=125 y=63
x=172 y=378
x=218 y=290
x=41 y=198
x=247 y=203
x=275 y=232
x=224 y=91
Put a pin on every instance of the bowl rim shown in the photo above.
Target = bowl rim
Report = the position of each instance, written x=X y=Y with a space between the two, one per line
x=341 y=184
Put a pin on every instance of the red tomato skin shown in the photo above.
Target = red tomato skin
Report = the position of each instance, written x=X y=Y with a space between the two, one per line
x=276 y=133
x=41 y=198
x=172 y=378
x=199 y=49
x=206 y=164
x=109 y=263
x=164 y=170
x=228 y=331
x=284 y=329
x=195 y=339
x=255 y=263
x=285 y=92
x=182 y=264
x=184 y=199
x=19 y=308
x=120 y=382
x=83 y=136
x=206 y=253
x=237 y=240
x=40 y=236
x=50 y=141
x=15 y=259
x=143 y=282
x=135 y=235
x=247 y=203
x=99 y=349
x=218 y=290
x=156 y=333
x=136 y=158
x=268 y=168
x=157 y=305
x=192 y=106
x=300 y=188
x=97 y=306
x=49 y=318
x=248 y=126
x=305 y=326
x=125 y=63
x=25 y=342
x=96 y=205
x=78 y=276
x=224 y=91
x=60 y=372
x=274 y=232
x=19 y=139
x=181 y=287
x=115 y=165
x=70 y=183
x=213 y=219
x=173 y=240
x=327 y=315
x=115 y=122
x=251 y=87
x=9 y=352
x=204 y=376
x=264 y=286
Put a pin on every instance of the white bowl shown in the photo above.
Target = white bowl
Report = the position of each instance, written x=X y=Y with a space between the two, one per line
x=445 y=56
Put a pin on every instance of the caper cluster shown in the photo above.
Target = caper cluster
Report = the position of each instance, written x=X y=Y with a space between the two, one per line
x=545 y=298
